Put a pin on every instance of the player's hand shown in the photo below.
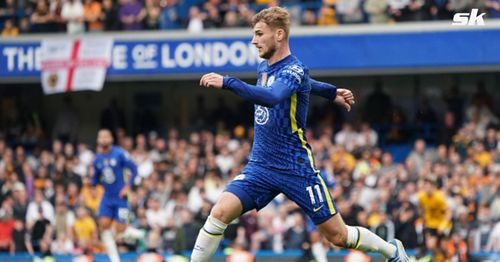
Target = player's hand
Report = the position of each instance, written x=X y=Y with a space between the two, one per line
x=124 y=191
x=212 y=80
x=345 y=98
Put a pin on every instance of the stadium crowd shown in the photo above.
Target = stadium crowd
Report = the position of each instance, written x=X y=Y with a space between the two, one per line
x=444 y=199
x=79 y=16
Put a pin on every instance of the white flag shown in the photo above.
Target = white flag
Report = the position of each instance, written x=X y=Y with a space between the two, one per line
x=73 y=64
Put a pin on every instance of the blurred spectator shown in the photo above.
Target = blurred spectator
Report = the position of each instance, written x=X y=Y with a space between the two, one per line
x=41 y=19
x=327 y=16
x=398 y=10
x=419 y=10
x=110 y=17
x=156 y=215
x=214 y=19
x=447 y=130
x=406 y=220
x=297 y=233
x=56 y=12
x=231 y=19
x=62 y=245
x=92 y=15
x=7 y=224
x=64 y=220
x=380 y=100
x=20 y=238
x=440 y=10
x=9 y=29
x=420 y=154
x=377 y=11
x=84 y=229
x=91 y=196
x=367 y=137
x=460 y=6
x=493 y=8
x=38 y=209
x=195 y=23
x=384 y=228
x=67 y=123
x=73 y=13
x=150 y=15
x=170 y=18
x=130 y=15
x=21 y=199
x=41 y=232
x=349 y=11
x=435 y=213
x=347 y=137
x=308 y=18
x=425 y=115
x=24 y=25
x=8 y=10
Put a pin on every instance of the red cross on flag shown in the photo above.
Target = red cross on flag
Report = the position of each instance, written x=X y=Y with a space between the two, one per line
x=74 y=64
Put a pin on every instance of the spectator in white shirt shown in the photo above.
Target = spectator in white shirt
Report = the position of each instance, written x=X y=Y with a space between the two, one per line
x=347 y=137
x=33 y=214
x=72 y=13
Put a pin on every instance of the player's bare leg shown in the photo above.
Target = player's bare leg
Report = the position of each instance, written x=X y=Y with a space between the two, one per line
x=360 y=238
x=107 y=239
x=227 y=208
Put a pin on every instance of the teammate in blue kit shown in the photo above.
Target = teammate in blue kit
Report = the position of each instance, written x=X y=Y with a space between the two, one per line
x=109 y=166
x=281 y=160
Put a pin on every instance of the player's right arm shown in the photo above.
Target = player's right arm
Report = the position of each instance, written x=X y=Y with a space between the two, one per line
x=288 y=80
x=268 y=97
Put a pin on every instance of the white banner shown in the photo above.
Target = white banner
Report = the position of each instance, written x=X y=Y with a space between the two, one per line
x=74 y=65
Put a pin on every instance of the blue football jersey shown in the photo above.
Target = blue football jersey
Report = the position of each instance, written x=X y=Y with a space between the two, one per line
x=279 y=137
x=109 y=170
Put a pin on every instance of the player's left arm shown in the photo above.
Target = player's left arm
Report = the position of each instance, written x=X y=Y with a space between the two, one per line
x=97 y=174
x=128 y=163
x=340 y=96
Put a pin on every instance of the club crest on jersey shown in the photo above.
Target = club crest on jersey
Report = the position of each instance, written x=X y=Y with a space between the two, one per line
x=263 y=79
x=270 y=81
x=261 y=115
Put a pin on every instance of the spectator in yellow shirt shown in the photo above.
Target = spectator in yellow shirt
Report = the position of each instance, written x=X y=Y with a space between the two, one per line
x=85 y=229
x=91 y=196
x=9 y=29
x=435 y=212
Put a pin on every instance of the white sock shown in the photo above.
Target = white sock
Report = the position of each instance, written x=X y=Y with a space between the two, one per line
x=208 y=240
x=319 y=252
x=360 y=238
x=109 y=243
x=133 y=233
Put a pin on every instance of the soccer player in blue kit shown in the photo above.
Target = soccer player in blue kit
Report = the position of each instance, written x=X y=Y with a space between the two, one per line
x=281 y=160
x=109 y=166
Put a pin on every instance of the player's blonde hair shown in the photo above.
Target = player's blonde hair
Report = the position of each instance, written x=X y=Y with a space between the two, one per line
x=275 y=17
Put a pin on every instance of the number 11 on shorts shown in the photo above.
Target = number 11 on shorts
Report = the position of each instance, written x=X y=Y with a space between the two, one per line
x=311 y=194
